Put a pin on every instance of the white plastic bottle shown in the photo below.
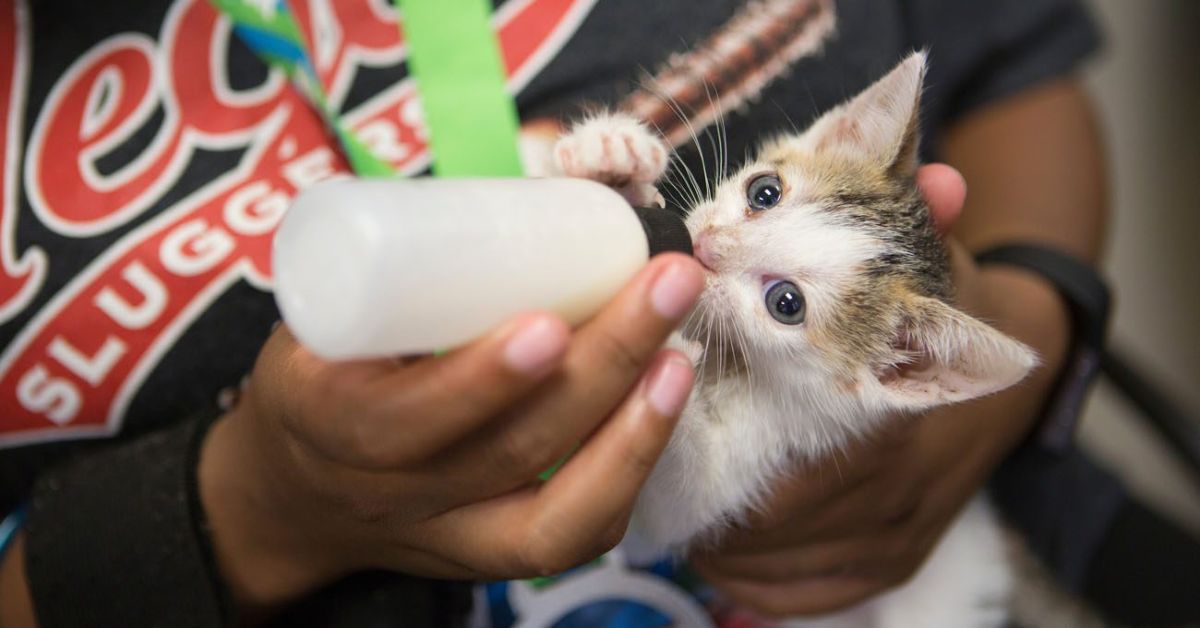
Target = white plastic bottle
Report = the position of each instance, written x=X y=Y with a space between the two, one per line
x=367 y=268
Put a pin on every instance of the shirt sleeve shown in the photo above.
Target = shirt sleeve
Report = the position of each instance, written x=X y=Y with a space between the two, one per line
x=984 y=50
x=117 y=538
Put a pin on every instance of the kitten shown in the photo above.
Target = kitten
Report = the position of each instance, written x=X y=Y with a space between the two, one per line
x=827 y=313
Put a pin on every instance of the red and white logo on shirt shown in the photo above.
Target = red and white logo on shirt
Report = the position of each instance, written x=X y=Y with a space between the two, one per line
x=73 y=369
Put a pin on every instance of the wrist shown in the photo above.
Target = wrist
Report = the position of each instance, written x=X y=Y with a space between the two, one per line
x=262 y=550
x=1028 y=307
x=16 y=605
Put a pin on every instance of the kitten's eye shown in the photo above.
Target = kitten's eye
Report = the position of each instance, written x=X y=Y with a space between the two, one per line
x=786 y=304
x=764 y=192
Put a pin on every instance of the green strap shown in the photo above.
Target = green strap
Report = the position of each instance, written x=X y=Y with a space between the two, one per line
x=275 y=36
x=455 y=59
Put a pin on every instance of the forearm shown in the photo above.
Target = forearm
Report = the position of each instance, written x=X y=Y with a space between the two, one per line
x=1033 y=164
x=264 y=564
x=1035 y=167
x=16 y=607
x=1028 y=308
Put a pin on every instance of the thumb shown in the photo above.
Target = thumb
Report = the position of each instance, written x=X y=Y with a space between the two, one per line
x=945 y=191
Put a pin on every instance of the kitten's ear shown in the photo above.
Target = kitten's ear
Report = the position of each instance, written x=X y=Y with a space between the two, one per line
x=882 y=124
x=945 y=356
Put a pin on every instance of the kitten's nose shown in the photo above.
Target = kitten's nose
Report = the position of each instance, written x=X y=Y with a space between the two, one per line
x=702 y=247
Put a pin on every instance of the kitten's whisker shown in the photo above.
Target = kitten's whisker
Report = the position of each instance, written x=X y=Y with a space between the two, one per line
x=729 y=333
x=674 y=188
x=724 y=347
x=720 y=362
x=792 y=123
x=687 y=123
x=693 y=182
x=706 y=192
x=707 y=337
x=703 y=164
x=689 y=189
x=691 y=177
x=654 y=88
x=743 y=346
x=718 y=168
x=722 y=139
x=722 y=148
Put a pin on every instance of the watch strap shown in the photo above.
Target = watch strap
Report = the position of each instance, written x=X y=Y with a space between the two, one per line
x=1089 y=301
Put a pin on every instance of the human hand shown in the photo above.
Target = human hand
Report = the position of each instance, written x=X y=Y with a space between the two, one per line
x=864 y=521
x=430 y=467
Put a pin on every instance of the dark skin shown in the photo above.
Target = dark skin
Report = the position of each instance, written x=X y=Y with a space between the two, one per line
x=304 y=482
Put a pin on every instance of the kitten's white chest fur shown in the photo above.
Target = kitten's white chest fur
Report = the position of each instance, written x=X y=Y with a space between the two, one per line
x=874 y=336
x=740 y=432
x=729 y=447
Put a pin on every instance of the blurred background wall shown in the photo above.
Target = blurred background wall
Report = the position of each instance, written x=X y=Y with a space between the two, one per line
x=1147 y=87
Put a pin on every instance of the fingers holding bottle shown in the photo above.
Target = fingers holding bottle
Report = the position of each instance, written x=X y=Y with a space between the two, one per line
x=326 y=468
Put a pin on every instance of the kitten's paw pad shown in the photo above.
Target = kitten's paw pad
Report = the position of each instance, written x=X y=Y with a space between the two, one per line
x=614 y=149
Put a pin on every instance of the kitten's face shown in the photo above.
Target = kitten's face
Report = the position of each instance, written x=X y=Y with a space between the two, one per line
x=823 y=260
x=789 y=260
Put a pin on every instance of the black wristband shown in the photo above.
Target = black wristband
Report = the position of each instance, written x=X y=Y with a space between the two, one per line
x=117 y=537
x=1089 y=301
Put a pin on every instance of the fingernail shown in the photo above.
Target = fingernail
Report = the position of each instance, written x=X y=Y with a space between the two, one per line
x=669 y=385
x=535 y=347
x=675 y=291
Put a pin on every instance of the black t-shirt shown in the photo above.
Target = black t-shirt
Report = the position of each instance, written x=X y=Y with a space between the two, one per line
x=148 y=155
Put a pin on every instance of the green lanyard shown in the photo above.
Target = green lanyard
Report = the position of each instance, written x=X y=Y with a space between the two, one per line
x=455 y=60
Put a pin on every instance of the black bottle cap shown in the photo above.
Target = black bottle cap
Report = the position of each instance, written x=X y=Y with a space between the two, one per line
x=665 y=230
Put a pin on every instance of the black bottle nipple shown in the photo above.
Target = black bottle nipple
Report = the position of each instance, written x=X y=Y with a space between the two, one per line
x=665 y=229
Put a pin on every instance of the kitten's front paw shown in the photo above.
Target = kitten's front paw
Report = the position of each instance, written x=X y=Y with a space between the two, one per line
x=618 y=151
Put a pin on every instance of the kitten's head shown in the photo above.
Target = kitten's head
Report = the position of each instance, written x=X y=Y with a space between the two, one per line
x=824 y=261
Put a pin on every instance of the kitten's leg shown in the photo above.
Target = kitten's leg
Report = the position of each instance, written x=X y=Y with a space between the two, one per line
x=1038 y=601
x=965 y=583
x=618 y=151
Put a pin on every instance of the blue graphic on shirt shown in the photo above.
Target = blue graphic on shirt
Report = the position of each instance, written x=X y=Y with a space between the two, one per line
x=607 y=593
